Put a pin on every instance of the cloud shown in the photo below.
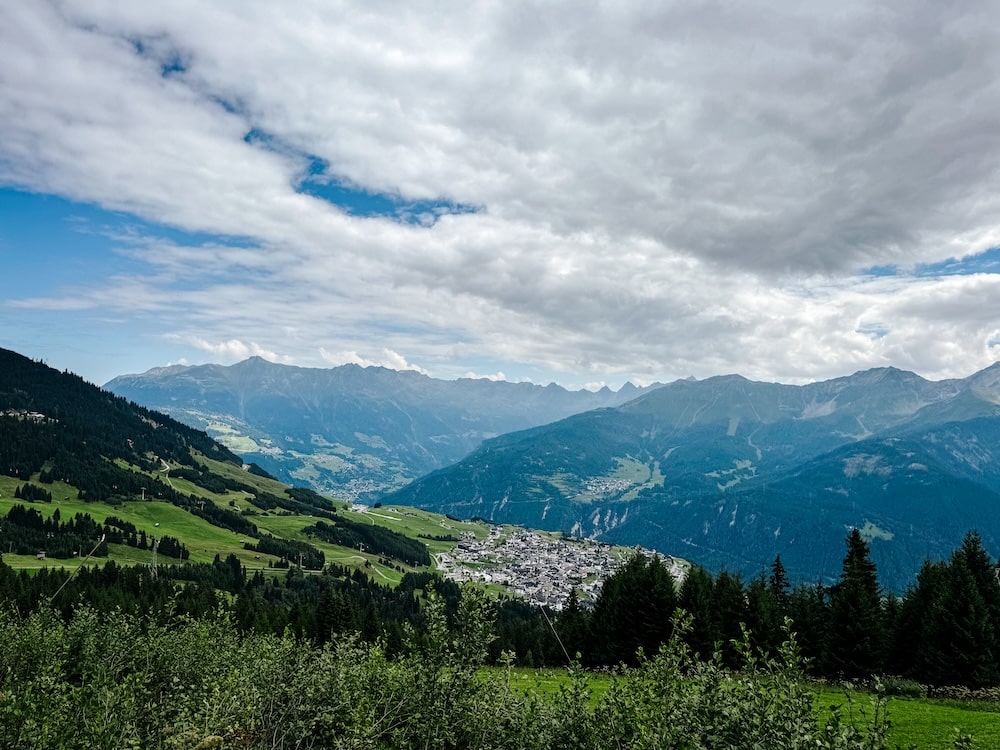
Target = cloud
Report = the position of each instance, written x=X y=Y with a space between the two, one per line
x=388 y=359
x=235 y=350
x=660 y=190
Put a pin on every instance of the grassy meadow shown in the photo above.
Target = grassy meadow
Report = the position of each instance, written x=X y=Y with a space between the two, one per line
x=204 y=541
x=926 y=723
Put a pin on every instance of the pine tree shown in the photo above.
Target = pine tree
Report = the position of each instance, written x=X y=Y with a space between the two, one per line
x=634 y=610
x=778 y=582
x=909 y=654
x=986 y=574
x=963 y=632
x=957 y=641
x=573 y=626
x=696 y=599
x=765 y=617
x=856 y=646
x=729 y=610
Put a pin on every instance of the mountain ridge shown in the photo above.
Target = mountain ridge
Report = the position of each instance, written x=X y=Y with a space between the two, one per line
x=349 y=430
x=718 y=463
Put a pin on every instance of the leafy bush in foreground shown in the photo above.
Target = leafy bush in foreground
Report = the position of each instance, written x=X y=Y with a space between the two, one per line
x=117 y=680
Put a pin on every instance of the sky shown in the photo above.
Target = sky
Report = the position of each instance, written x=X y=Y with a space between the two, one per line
x=584 y=194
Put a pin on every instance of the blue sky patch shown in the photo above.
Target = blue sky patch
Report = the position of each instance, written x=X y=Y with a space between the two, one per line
x=873 y=330
x=360 y=202
x=58 y=242
x=880 y=271
x=354 y=199
x=985 y=262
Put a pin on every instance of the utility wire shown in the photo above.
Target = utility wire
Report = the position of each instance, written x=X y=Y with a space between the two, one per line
x=569 y=662
x=89 y=555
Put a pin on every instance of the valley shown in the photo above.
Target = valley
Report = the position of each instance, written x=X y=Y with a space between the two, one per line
x=114 y=513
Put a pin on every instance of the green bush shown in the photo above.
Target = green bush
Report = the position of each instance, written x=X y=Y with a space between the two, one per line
x=116 y=680
x=904 y=687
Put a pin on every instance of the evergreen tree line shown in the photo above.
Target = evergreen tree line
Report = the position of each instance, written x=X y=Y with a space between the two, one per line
x=86 y=436
x=81 y=419
x=295 y=499
x=32 y=493
x=315 y=607
x=26 y=532
x=165 y=545
x=289 y=551
x=95 y=477
x=944 y=630
x=375 y=539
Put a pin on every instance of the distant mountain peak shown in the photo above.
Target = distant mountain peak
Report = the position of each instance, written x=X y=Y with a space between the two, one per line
x=353 y=431
x=729 y=471
x=876 y=374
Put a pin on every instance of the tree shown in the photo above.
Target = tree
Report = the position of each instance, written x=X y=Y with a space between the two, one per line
x=958 y=639
x=730 y=612
x=778 y=583
x=765 y=617
x=573 y=626
x=986 y=575
x=856 y=645
x=634 y=610
x=948 y=632
x=696 y=598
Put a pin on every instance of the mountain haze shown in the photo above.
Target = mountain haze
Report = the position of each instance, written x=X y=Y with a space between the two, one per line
x=729 y=472
x=351 y=431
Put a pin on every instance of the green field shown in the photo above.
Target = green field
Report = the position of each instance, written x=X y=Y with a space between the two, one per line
x=927 y=723
x=204 y=541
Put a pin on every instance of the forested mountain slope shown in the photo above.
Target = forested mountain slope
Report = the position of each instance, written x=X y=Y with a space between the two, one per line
x=82 y=469
x=354 y=432
x=729 y=472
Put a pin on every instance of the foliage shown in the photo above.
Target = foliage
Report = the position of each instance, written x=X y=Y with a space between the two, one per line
x=64 y=429
x=25 y=531
x=944 y=631
x=289 y=550
x=633 y=611
x=114 y=679
x=374 y=539
x=856 y=646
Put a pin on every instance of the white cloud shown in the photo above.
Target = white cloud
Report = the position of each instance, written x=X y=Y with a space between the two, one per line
x=388 y=359
x=664 y=189
x=235 y=350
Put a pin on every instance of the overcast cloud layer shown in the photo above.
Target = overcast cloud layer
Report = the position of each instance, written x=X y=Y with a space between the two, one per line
x=788 y=190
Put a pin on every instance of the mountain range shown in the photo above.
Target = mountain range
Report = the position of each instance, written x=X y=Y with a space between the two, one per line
x=726 y=472
x=729 y=473
x=350 y=431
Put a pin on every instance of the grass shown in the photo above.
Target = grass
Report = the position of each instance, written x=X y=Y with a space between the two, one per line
x=927 y=723
x=204 y=541
x=548 y=682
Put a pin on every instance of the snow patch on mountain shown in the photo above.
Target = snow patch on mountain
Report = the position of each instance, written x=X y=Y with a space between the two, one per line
x=815 y=409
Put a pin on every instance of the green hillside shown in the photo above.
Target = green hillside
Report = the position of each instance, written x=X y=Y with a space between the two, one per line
x=205 y=541
x=77 y=462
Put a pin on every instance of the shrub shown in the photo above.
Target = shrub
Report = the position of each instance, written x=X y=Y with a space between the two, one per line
x=904 y=687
